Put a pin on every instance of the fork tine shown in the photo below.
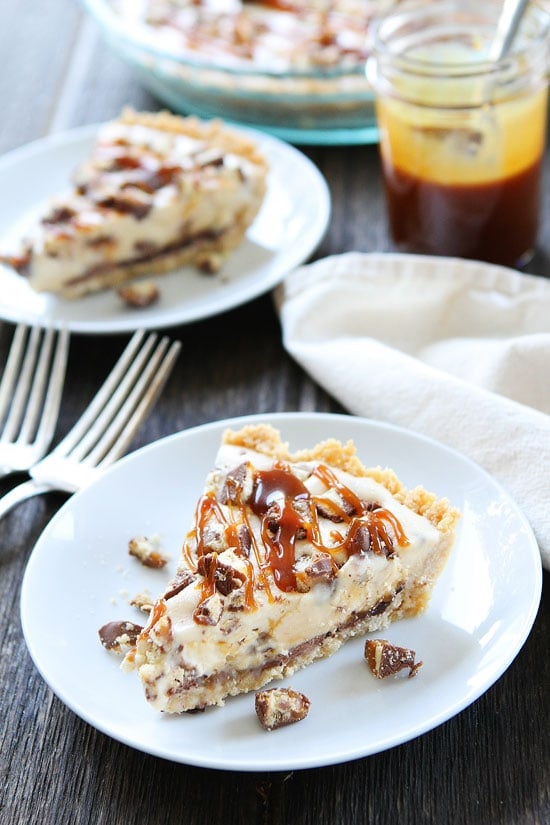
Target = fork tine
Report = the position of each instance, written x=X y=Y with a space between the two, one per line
x=60 y=470
x=108 y=430
x=36 y=395
x=11 y=370
x=54 y=392
x=109 y=411
x=101 y=397
x=117 y=438
x=47 y=377
x=23 y=382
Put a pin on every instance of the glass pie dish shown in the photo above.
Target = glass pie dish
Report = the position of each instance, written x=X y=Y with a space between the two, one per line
x=294 y=68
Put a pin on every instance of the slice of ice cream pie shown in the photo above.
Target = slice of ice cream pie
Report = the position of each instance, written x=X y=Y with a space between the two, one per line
x=157 y=192
x=289 y=555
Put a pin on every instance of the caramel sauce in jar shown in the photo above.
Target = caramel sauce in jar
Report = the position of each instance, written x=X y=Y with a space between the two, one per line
x=461 y=137
x=495 y=221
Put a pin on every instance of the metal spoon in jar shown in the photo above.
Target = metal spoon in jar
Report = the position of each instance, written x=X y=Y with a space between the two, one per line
x=472 y=141
x=507 y=26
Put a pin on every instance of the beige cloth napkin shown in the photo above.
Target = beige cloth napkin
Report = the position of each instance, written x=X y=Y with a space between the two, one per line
x=456 y=350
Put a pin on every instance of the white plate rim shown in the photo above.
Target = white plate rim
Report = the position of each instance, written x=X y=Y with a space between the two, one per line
x=285 y=258
x=432 y=719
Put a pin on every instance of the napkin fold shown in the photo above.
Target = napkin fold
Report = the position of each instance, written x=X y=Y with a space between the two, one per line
x=456 y=350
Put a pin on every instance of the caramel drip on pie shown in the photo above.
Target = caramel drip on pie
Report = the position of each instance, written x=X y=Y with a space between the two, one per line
x=249 y=600
x=258 y=555
x=373 y=519
x=288 y=512
x=157 y=613
x=275 y=493
x=209 y=508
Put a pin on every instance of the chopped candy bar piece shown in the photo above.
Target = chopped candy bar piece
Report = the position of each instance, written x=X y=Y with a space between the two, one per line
x=119 y=637
x=278 y=707
x=385 y=659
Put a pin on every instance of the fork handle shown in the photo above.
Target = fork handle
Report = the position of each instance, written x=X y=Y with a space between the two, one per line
x=23 y=491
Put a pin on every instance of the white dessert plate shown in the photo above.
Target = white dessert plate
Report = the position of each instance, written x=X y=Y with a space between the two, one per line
x=288 y=228
x=80 y=576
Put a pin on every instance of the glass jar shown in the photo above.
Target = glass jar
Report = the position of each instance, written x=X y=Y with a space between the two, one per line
x=461 y=137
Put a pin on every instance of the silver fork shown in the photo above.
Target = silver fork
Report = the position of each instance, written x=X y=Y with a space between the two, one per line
x=106 y=427
x=30 y=395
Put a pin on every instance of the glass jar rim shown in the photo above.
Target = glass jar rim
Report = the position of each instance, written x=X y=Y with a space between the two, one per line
x=389 y=42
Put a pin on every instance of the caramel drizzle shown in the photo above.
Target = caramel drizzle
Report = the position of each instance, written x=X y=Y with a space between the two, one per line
x=287 y=512
x=373 y=520
x=158 y=611
x=258 y=555
x=207 y=508
x=280 y=539
x=275 y=492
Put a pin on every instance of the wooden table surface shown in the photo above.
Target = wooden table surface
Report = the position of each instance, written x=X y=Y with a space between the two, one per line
x=488 y=765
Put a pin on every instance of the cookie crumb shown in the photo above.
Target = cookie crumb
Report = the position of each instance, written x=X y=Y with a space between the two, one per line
x=147 y=551
x=140 y=294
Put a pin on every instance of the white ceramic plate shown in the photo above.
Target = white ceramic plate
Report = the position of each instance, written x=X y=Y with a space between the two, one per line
x=290 y=225
x=80 y=576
